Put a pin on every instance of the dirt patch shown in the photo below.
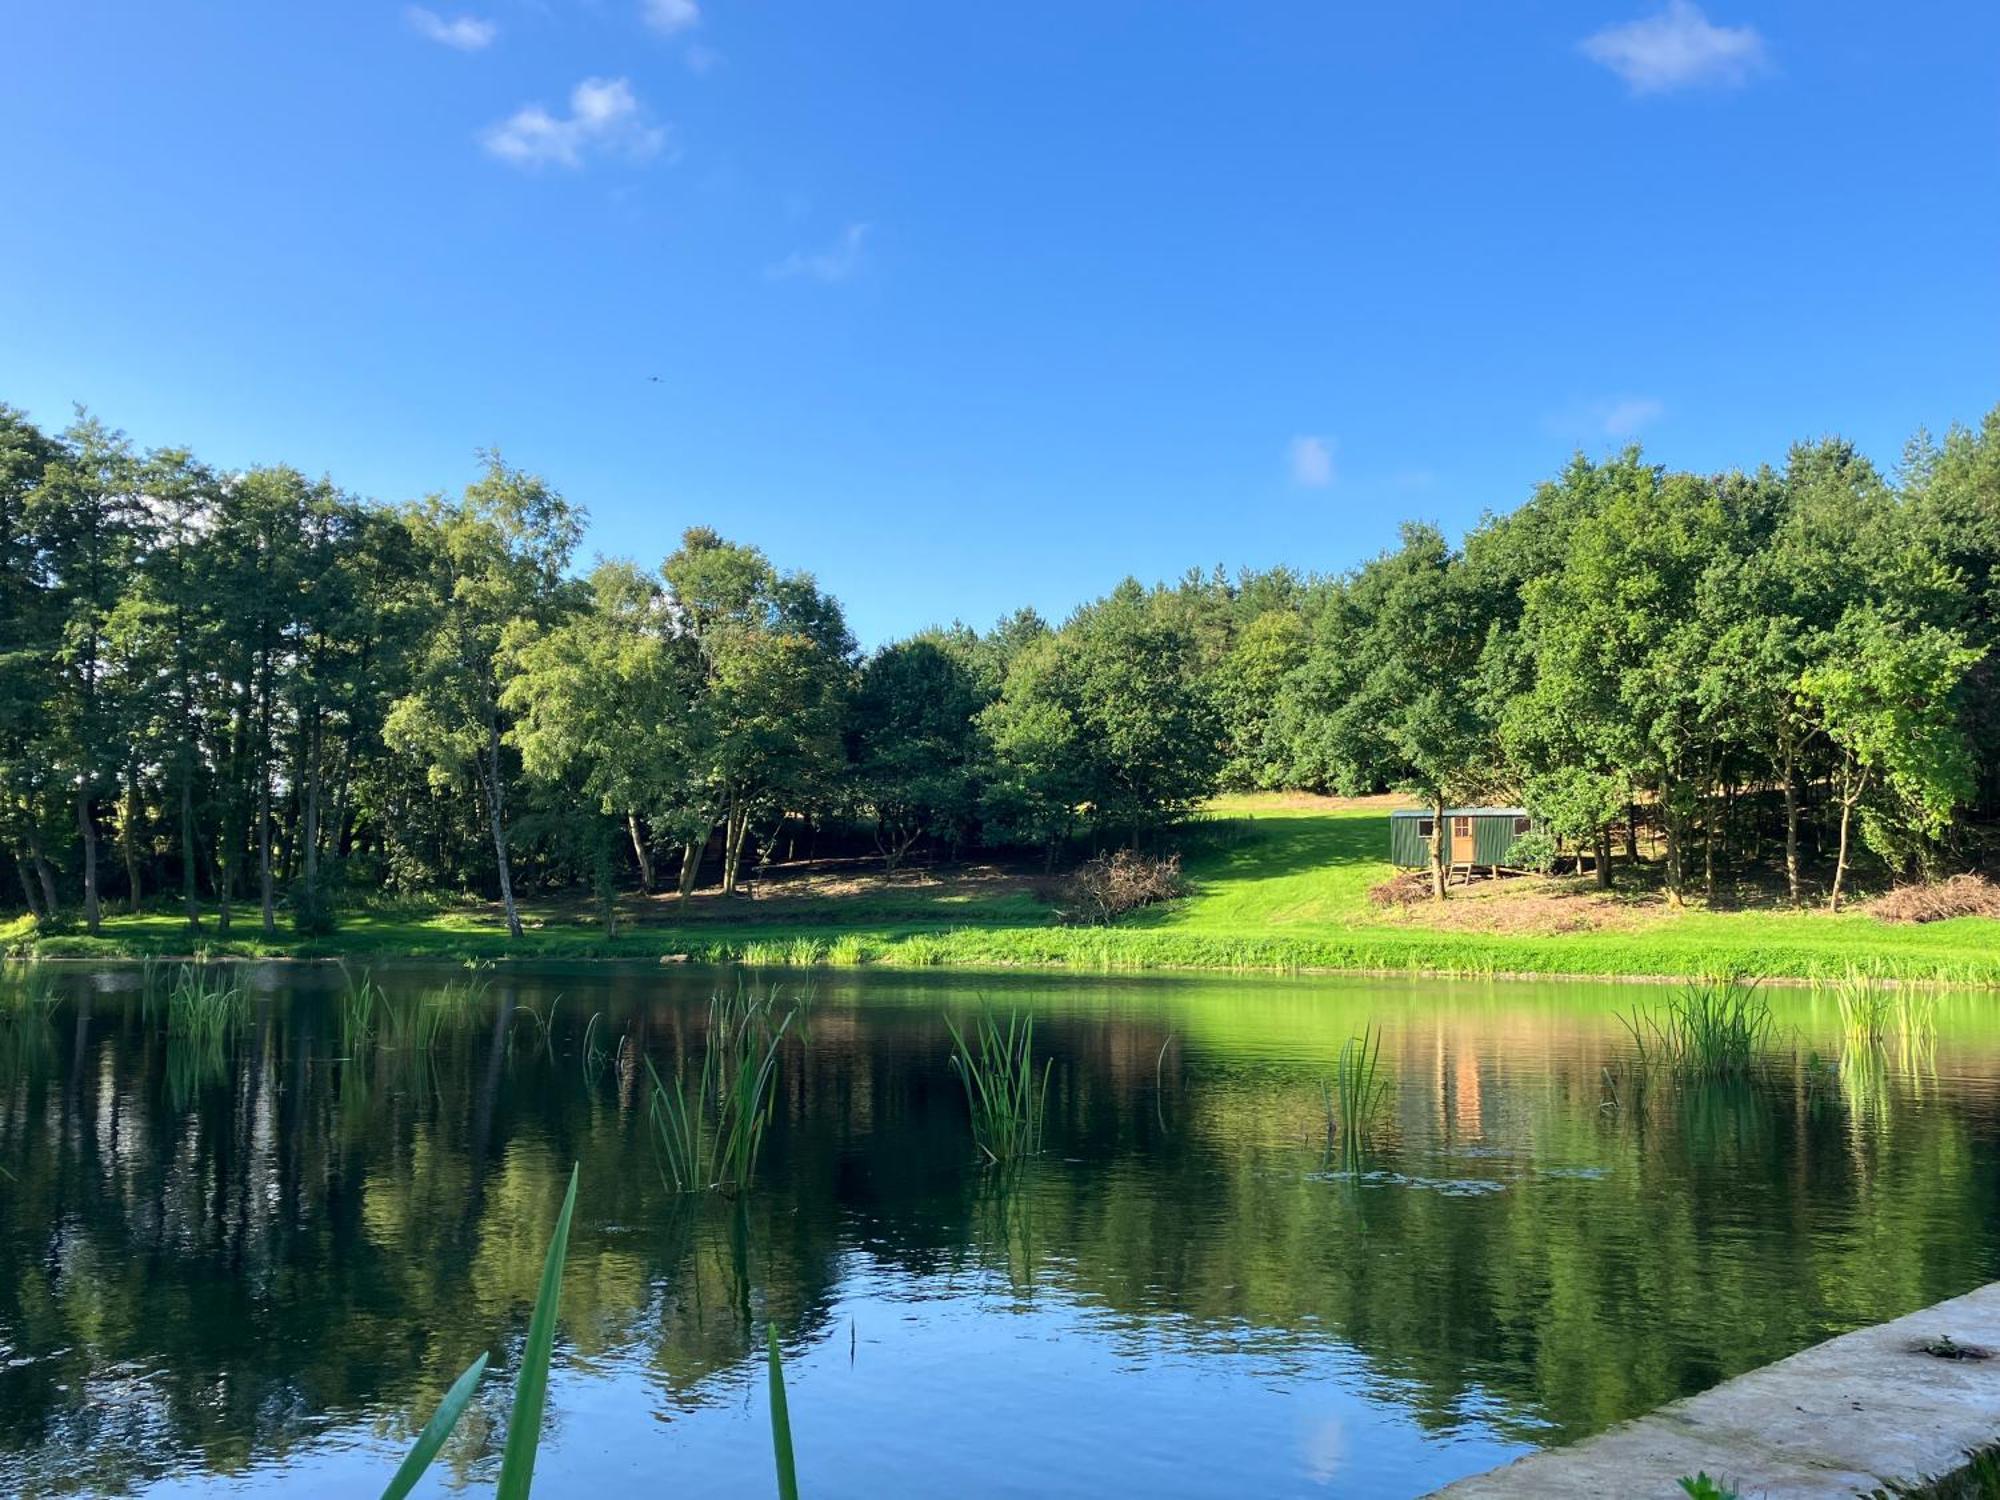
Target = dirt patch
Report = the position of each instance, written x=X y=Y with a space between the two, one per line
x=1527 y=906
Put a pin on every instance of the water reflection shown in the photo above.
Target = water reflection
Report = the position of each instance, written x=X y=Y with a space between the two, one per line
x=269 y=1258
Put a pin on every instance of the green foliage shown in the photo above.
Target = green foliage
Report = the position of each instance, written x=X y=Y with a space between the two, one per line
x=234 y=687
x=1701 y=1487
x=1534 y=851
x=1007 y=1100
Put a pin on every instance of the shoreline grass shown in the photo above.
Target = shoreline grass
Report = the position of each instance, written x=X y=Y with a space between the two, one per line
x=1277 y=890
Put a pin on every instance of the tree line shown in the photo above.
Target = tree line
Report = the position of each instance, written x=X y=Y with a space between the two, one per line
x=253 y=689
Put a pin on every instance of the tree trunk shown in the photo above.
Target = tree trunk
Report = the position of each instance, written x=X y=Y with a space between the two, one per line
x=42 y=870
x=690 y=866
x=735 y=828
x=265 y=891
x=496 y=814
x=86 y=827
x=1602 y=859
x=1437 y=849
x=1840 y=859
x=309 y=831
x=1631 y=833
x=1791 y=826
x=28 y=887
x=126 y=845
x=1708 y=856
x=1676 y=896
x=189 y=896
x=639 y=849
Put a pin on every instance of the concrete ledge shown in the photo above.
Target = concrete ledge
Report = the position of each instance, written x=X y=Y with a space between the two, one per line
x=1843 y=1418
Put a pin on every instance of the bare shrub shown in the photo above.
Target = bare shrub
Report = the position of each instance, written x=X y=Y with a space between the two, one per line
x=1101 y=890
x=1405 y=889
x=1939 y=901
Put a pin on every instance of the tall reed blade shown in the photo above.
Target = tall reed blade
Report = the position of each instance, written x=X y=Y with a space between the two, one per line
x=531 y=1389
x=781 y=1424
x=440 y=1426
x=1356 y=1099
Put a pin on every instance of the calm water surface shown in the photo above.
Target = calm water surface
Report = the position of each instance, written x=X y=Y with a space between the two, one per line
x=256 y=1271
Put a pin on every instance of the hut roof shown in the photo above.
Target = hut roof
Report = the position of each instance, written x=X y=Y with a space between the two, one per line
x=1463 y=812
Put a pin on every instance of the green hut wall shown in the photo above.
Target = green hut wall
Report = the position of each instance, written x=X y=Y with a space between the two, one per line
x=1493 y=831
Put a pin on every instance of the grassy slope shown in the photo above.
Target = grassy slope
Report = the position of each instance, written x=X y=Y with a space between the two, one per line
x=1279 y=885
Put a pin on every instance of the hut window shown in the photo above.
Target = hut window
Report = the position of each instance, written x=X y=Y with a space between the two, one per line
x=1426 y=828
x=1461 y=828
x=1522 y=825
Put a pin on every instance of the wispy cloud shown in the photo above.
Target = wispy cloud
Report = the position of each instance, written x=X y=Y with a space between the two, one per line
x=605 y=119
x=836 y=262
x=1625 y=416
x=670 y=16
x=466 y=33
x=1311 y=460
x=1677 y=48
x=1619 y=418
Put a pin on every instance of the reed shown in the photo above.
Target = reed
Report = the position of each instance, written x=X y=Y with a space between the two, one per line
x=204 y=1006
x=1714 y=1029
x=531 y=1386
x=708 y=1137
x=1007 y=1100
x=360 y=1004
x=410 y=1023
x=781 y=1423
x=1357 y=1097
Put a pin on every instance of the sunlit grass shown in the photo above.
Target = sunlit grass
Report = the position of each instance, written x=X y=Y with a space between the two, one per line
x=1280 y=886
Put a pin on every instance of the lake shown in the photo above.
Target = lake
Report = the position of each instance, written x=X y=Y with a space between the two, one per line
x=255 y=1267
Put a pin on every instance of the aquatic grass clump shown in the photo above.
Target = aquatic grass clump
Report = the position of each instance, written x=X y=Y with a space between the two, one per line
x=360 y=1002
x=531 y=1386
x=1714 y=1029
x=785 y=953
x=1872 y=1010
x=203 y=1006
x=1007 y=1100
x=708 y=1137
x=1357 y=1097
x=847 y=951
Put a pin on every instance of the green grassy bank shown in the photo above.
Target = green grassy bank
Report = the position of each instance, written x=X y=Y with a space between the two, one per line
x=1280 y=885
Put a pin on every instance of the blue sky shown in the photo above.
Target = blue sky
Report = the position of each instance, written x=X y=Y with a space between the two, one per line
x=964 y=307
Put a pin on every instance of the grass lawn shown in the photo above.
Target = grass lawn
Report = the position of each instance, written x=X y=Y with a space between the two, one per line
x=1281 y=883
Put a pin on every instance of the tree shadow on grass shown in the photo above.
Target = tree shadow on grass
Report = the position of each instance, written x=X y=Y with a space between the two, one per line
x=1237 y=849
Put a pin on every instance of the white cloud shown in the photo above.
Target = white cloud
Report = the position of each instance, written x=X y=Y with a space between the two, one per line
x=1678 y=48
x=605 y=118
x=466 y=33
x=1624 y=416
x=670 y=16
x=836 y=262
x=1312 y=462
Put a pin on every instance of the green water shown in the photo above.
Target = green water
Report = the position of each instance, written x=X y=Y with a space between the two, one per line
x=256 y=1270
